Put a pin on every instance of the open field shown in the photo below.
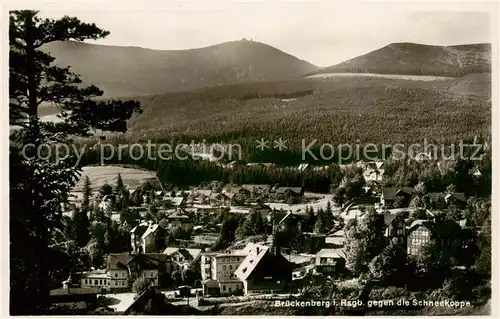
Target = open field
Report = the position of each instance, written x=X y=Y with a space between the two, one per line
x=385 y=76
x=301 y=208
x=100 y=175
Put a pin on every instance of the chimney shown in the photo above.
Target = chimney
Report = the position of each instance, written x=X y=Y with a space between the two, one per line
x=275 y=249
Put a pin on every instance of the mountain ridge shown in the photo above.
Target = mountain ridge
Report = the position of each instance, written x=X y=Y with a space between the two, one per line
x=126 y=71
x=418 y=59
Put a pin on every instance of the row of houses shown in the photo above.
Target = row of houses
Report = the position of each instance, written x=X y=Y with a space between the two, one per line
x=403 y=195
x=226 y=195
x=411 y=234
x=122 y=269
x=251 y=270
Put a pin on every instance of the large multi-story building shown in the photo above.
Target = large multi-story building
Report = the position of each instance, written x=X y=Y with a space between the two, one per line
x=217 y=272
x=265 y=270
x=96 y=279
x=123 y=269
x=147 y=237
x=422 y=232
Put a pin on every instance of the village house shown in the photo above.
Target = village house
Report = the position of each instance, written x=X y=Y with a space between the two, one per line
x=421 y=232
x=76 y=299
x=395 y=230
x=179 y=219
x=262 y=209
x=182 y=258
x=456 y=199
x=373 y=175
x=220 y=199
x=238 y=191
x=476 y=173
x=437 y=200
x=336 y=239
x=177 y=201
x=159 y=194
x=275 y=216
x=147 y=237
x=265 y=270
x=124 y=268
x=394 y=195
x=289 y=222
x=201 y=195
x=107 y=202
x=330 y=261
x=442 y=200
x=95 y=279
x=217 y=272
x=421 y=157
x=257 y=189
x=286 y=192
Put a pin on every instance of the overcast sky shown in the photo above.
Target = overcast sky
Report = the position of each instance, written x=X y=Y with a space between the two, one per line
x=321 y=33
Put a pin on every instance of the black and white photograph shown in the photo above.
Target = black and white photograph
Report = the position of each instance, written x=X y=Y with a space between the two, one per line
x=279 y=158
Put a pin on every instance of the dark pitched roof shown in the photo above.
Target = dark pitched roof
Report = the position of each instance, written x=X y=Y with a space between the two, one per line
x=140 y=230
x=158 y=256
x=178 y=214
x=153 y=302
x=146 y=262
x=458 y=196
x=441 y=228
x=249 y=263
x=394 y=192
x=119 y=260
x=185 y=254
x=434 y=197
x=389 y=217
x=296 y=190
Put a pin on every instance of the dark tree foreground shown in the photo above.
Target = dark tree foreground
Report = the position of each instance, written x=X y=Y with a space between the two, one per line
x=38 y=187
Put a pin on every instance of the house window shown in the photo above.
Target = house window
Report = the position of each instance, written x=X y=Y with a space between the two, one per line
x=152 y=274
x=100 y=281
x=95 y=282
x=237 y=258
x=223 y=287
x=86 y=281
x=116 y=274
x=224 y=267
x=230 y=267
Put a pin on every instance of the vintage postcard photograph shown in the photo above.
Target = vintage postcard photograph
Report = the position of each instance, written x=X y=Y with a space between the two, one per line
x=250 y=158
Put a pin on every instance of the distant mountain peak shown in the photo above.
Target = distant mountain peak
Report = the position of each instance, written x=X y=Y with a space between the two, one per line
x=128 y=71
x=419 y=59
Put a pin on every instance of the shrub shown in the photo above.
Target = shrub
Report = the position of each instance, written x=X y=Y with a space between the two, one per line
x=140 y=285
x=394 y=292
